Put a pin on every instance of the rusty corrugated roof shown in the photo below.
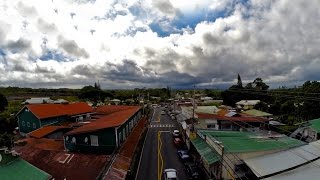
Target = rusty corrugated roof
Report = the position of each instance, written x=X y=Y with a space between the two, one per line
x=105 y=110
x=43 y=143
x=114 y=119
x=46 y=130
x=61 y=164
x=43 y=111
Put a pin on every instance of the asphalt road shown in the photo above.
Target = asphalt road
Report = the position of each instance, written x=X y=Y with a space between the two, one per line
x=159 y=152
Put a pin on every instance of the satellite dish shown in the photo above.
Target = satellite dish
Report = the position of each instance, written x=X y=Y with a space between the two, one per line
x=86 y=139
x=67 y=138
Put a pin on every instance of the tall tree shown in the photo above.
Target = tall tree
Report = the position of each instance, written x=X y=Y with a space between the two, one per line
x=239 y=81
x=3 y=102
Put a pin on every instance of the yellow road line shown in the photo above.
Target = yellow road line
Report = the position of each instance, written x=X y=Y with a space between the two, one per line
x=161 y=169
x=158 y=156
x=160 y=159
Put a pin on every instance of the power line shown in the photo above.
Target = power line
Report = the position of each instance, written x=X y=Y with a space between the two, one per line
x=280 y=128
x=284 y=142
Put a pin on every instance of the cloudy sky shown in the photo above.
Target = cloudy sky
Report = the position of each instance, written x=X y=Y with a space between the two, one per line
x=155 y=43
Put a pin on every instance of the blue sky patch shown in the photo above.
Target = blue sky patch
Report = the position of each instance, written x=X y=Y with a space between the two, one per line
x=53 y=55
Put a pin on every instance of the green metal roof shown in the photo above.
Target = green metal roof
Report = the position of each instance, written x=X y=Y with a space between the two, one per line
x=257 y=113
x=211 y=156
x=315 y=124
x=20 y=169
x=238 y=142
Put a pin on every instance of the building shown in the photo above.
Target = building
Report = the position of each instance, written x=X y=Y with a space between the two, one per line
x=50 y=156
x=257 y=113
x=106 y=133
x=231 y=148
x=247 y=104
x=294 y=164
x=115 y=101
x=13 y=167
x=308 y=132
x=34 y=116
x=229 y=121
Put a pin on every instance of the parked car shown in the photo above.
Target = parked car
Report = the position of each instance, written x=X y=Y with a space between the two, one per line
x=170 y=174
x=175 y=133
x=183 y=155
x=178 y=142
x=192 y=170
x=163 y=113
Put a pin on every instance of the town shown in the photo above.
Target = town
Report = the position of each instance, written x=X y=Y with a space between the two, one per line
x=159 y=89
x=184 y=134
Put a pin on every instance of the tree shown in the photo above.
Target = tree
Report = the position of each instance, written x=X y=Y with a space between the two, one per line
x=258 y=84
x=239 y=81
x=3 y=102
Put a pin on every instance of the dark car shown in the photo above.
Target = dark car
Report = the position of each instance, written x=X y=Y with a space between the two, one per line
x=183 y=155
x=192 y=170
x=178 y=142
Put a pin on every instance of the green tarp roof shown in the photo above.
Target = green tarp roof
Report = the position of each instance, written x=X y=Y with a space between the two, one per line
x=19 y=169
x=211 y=156
x=315 y=124
x=257 y=113
x=237 y=142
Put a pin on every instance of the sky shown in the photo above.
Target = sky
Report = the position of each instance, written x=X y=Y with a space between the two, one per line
x=158 y=43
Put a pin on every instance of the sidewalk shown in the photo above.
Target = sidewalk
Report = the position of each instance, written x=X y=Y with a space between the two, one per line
x=121 y=164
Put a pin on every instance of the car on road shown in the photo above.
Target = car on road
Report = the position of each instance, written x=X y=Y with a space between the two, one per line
x=183 y=155
x=178 y=142
x=170 y=174
x=175 y=133
x=192 y=170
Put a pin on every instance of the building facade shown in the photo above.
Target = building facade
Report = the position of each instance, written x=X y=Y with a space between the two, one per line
x=105 y=134
x=32 y=117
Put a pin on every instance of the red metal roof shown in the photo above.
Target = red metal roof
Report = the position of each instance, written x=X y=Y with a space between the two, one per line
x=105 y=110
x=63 y=165
x=46 y=130
x=43 y=143
x=241 y=119
x=43 y=111
x=111 y=120
x=121 y=164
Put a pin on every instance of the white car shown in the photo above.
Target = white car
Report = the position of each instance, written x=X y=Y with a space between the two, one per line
x=175 y=133
x=170 y=174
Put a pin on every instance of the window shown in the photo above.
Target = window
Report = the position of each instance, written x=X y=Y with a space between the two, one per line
x=23 y=124
x=34 y=125
x=120 y=137
x=94 y=140
x=127 y=127
x=28 y=124
x=123 y=134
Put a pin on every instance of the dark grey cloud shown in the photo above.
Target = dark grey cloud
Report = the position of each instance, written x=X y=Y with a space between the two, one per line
x=44 y=70
x=71 y=47
x=46 y=27
x=25 y=10
x=20 y=45
x=85 y=70
x=165 y=7
x=19 y=68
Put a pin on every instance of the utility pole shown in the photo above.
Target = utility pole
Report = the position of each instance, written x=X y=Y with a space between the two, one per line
x=194 y=102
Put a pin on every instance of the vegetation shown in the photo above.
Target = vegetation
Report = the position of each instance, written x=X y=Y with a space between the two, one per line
x=7 y=120
x=289 y=105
